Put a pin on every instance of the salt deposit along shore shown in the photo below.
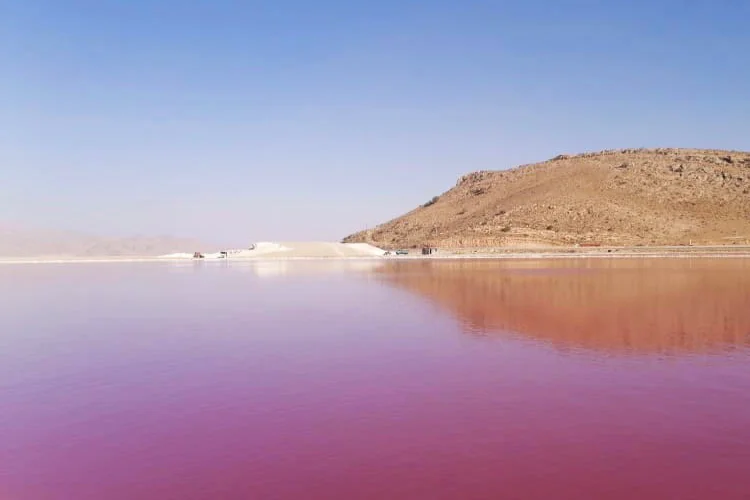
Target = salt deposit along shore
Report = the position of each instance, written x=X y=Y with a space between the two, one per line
x=287 y=251
x=256 y=251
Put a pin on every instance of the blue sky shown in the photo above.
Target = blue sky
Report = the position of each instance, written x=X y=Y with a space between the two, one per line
x=240 y=121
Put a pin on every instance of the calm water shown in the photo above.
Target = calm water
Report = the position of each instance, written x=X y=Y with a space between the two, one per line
x=435 y=380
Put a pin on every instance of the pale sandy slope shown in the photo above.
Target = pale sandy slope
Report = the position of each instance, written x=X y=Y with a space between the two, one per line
x=296 y=250
x=328 y=249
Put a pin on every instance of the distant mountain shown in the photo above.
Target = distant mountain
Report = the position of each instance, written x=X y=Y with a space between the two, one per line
x=622 y=197
x=22 y=242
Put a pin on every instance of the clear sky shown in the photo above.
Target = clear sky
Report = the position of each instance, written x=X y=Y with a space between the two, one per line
x=239 y=121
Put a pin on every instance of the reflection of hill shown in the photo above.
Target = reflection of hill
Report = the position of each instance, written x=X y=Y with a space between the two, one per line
x=642 y=305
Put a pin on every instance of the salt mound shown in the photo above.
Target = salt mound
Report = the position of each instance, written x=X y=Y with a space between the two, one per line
x=268 y=246
x=176 y=256
x=366 y=248
x=269 y=250
x=215 y=255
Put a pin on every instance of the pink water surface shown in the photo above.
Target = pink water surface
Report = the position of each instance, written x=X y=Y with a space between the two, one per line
x=467 y=380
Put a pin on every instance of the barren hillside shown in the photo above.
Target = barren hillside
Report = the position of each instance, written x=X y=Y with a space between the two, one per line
x=623 y=197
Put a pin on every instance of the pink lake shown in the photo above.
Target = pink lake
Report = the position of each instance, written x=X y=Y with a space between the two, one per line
x=376 y=380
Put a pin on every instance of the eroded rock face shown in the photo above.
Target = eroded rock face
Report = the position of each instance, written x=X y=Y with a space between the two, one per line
x=661 y=196
x=474 y=177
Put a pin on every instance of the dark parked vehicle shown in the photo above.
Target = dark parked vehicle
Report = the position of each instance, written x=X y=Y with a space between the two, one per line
x=402 y=252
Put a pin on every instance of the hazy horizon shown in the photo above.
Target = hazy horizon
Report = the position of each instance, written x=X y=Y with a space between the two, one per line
x=299 y=121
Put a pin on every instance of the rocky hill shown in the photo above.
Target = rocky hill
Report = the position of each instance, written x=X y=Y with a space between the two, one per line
x=617 y=197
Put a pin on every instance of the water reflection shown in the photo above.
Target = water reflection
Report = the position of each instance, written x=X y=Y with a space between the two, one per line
x=644 y=305
x=273 y=268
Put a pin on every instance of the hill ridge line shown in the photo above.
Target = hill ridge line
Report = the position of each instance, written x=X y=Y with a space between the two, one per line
x=621 y=197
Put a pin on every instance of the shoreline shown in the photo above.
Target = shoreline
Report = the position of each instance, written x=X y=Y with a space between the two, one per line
x=536 y=254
